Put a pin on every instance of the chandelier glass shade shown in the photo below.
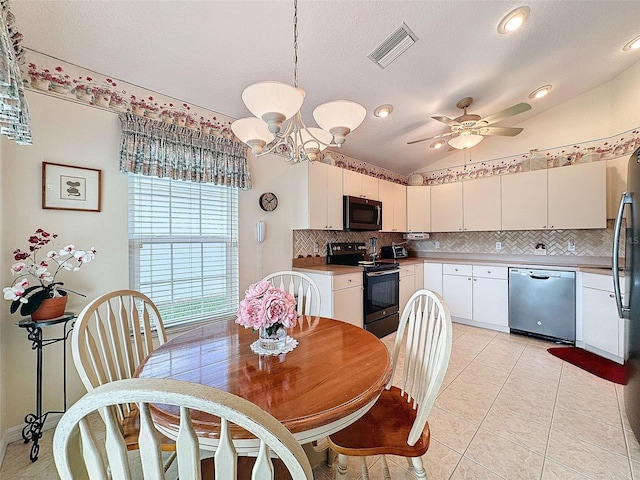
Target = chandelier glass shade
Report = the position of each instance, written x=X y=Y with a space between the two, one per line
x=465 y=139
x=277 y=126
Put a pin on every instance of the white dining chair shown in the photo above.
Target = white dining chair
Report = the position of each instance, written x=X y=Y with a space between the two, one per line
x=101 y=459
x=301 y=286
x=111 y=337
x=397 y=422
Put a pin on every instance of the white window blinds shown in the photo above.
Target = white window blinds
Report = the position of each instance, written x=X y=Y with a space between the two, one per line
x=183 y=247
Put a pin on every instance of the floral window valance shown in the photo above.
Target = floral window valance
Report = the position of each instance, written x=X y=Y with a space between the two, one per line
x=157 y=149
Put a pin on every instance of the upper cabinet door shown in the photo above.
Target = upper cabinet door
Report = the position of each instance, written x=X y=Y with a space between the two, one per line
x=419 y=209
x=386 y=197
x=318 y=195
x=351 y=183
x=399 y=208
x=446 y=207
x=369 y=187
x=481 y=204
x=358 y=185
x=334 y=198
x=524 y=201
x=577 y=196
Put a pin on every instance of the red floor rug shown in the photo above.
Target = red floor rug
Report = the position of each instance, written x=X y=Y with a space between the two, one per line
x=592 y=363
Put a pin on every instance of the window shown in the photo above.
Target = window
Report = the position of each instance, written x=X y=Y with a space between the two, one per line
x=183 y=247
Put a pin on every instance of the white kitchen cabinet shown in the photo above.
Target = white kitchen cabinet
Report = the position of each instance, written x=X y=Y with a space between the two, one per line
x=419 y=209
x=481 y=200
x=524 y=201
x=476 y=294
x=407 y=285
x=359 y=185
x=433 y=277
x=399 y=208
x=319 y=197
x=603 y=332
x=341 y=296
x=446 y=207
x=490 y=295
x=394 y=206
x=577 y=196
x=457 y=290
x=616 y=183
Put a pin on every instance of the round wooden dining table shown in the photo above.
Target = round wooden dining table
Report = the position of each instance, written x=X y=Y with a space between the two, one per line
x=332 y=377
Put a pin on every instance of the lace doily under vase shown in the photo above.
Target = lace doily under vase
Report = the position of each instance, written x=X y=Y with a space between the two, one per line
x=289 y=344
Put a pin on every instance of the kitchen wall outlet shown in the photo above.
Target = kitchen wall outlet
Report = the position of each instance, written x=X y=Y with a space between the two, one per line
x=316 y=247
x=436 y=244
x=541 y=249
x=498 y=245
x=571 y=246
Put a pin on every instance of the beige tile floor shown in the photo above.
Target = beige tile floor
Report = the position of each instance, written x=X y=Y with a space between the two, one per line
x=507 y=410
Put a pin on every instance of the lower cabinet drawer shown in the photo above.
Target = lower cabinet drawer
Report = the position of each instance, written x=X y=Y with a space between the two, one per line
x=457 y=269
x=483 y=271
x=347 y=281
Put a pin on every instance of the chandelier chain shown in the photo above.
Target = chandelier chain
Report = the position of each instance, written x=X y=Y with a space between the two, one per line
x=295 y=43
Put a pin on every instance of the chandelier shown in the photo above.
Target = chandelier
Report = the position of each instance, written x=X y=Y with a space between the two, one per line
x=277 y=126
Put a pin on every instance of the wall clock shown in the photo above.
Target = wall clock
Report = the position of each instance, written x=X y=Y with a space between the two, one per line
x=268 y=202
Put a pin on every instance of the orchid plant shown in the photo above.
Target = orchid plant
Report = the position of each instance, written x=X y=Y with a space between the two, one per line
x=27 y=294
x=265 y=306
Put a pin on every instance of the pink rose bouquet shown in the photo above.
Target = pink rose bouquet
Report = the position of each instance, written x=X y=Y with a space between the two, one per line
x=265 y=306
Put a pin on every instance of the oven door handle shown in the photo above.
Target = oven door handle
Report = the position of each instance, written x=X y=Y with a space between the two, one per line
x=378 y=274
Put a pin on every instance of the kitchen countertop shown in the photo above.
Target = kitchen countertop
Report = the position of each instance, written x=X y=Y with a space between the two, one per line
x=597 y=265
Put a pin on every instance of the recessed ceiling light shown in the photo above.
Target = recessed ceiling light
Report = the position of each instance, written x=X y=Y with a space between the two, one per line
x=438 y=144
x=514 y=20
x=632 y=45
x=383 y=111
x=540 y=92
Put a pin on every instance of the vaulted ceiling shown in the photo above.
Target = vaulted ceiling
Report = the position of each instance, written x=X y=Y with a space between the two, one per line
x=207 y=52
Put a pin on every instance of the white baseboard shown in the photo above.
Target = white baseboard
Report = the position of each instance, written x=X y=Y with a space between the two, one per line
x=14 y=434
x=487 y=326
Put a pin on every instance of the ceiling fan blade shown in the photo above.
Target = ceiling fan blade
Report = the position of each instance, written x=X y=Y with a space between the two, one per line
x=506 y=113
x=446 y=120
x=430 y=138
x=504 y=131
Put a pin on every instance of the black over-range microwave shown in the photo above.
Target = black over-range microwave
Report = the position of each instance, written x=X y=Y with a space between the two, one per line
x=362 y=214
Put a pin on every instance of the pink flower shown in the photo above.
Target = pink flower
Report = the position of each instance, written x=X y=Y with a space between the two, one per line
x=280 y=307
x=264 y=306
x=257 y=290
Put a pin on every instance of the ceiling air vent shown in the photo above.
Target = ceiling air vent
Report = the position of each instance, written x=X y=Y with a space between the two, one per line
x=394 y=46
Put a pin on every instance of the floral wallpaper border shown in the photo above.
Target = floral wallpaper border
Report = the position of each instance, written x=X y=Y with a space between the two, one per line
x=349 y=163
x=47 y=74
x=608 y=148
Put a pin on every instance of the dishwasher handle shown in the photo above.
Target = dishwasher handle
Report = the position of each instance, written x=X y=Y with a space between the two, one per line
x=539 y=277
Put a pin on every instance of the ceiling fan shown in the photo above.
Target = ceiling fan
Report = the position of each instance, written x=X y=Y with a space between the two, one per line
x=469 y=129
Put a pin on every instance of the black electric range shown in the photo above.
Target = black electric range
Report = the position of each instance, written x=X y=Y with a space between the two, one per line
x=381 y=283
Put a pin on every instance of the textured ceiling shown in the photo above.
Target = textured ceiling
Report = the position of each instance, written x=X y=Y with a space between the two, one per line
x=207 y=52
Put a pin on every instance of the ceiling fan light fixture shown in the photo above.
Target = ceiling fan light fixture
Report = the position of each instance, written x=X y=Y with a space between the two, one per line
x=437 y=145
x=633 y=44
x=540 y=92
x=383 y=111
x=464 y=141
x=514 y=20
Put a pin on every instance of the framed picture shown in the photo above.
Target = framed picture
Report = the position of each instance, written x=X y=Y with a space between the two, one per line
x=65 y=187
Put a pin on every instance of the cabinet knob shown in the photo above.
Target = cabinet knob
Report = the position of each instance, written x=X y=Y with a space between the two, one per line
x=330 y=226
x=456 y=269
x=469 y=278
x=611 y=295
x=475 y=279
x=550 y=226
x=544 y=226
x=349 y=280
x=488 y=271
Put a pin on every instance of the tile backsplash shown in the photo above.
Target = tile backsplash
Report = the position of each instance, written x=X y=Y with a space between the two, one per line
x=588 y=243
x=303 y=240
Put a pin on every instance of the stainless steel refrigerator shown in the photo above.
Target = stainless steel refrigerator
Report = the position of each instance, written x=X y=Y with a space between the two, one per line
x=629 y=304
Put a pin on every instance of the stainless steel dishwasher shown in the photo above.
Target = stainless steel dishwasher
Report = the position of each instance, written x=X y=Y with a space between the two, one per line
x=543 y=303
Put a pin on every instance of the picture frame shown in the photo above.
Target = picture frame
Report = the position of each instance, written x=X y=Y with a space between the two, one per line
x=68 y=187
